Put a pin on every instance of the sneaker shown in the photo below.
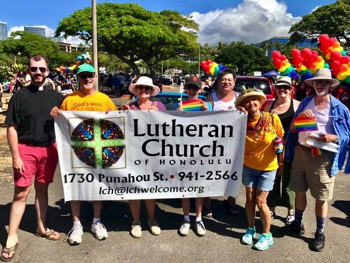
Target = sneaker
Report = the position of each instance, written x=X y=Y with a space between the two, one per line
x=290 y=218
x=248 y=237
x=264 y=242
x=184 y=228
x=273 y=214
x=200 y=228
x=136 y=230
x=99 y=231
x=319 y=242
x=74 y=236
x=153 y=227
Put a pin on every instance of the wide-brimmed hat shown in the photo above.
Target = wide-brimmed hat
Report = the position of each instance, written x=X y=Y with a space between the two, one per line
x=144 y=81
x=323 y=74
x=193 y=80
x=85 y=68
x=284 y=81
x=250 y=93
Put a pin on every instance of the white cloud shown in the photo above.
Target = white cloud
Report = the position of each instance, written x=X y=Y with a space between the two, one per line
x=75 y=41
x=252 y=21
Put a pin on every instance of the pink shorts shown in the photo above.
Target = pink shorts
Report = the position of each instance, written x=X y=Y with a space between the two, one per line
x=39 y=162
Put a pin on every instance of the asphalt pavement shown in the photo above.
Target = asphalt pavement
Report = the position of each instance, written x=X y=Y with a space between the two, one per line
x=220 y=244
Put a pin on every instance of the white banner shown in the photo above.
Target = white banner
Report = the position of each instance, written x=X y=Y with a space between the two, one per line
x=150 y=154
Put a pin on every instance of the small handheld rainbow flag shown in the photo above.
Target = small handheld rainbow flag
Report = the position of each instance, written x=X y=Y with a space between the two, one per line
x=305 y=124
x=192 y=105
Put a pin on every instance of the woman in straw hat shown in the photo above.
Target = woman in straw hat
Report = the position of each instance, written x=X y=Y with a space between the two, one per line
x=284 y=106
x=263 y=144
x=143 y=89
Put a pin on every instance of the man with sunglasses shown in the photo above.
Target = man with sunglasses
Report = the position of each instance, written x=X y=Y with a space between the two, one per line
x=314 y=170
x=31 y=137
x=86 y=99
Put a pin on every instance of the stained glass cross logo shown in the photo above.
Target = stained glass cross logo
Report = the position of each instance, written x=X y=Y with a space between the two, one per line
x=98 y=143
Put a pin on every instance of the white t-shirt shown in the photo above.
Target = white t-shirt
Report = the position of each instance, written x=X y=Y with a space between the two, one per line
x=224 y=105
x=323 y=119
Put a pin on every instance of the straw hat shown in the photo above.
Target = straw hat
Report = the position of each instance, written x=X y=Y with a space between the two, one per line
x=144 y=81
x=249 y=93
x=323 y=74
x=284 y=81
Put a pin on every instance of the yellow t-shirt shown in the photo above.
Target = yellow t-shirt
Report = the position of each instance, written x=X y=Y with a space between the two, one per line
x=78 y=101
x=259 y=153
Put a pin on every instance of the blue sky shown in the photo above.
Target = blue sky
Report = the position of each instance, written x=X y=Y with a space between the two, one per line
x=214 y=17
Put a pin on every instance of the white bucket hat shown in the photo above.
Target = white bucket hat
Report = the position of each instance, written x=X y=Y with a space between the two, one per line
x=284 y=81
x=323 y=74
x=144 y=81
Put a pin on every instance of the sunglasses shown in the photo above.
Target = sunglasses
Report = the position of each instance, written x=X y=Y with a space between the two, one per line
x=87 y=75
x=34 y=69
x=147 y=88
x=192 y=87
x=321 y=82
x=283 y=87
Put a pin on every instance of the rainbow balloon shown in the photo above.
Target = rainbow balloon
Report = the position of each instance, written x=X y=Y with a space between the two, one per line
x=192 y=105
x=305 y=124
x=210 y=67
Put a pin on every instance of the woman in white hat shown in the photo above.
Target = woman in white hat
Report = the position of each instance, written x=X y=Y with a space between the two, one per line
x=143 y=89
x=262 y=145
x=285 y=107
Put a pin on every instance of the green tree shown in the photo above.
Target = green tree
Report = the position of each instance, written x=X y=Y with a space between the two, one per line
x=23 y=45
x=330 y=19
x=244 y=59
x=132 y=33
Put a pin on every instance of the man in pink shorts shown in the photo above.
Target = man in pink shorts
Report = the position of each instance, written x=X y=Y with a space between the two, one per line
x=31 y=137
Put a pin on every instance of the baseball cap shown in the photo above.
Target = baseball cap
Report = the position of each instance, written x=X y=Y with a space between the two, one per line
x=193 y=80
x=85 y=68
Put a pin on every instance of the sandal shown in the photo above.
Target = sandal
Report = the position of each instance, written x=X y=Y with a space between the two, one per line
x=8 y=250
x=230 y=209
x=50 y=234
x=207 y=212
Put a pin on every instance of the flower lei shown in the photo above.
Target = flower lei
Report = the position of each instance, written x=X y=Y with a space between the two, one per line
x=260 y=128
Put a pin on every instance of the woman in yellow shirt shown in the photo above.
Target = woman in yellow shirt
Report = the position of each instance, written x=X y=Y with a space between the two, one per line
x=262 y=156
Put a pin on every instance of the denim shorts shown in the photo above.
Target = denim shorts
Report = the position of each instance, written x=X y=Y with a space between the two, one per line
x=262 y=180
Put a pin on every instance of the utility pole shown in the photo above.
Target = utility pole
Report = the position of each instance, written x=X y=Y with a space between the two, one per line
x=199 y=60
x=94 y=40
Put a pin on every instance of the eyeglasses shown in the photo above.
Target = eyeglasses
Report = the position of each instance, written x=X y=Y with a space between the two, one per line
x=86 y=75
x=283 y=87
x=34 y=69
x=147 y=88
x=321 y=82
x=191 y=87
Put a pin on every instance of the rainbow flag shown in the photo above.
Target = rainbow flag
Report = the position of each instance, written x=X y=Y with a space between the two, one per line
x=192 y=105
x=305 y=124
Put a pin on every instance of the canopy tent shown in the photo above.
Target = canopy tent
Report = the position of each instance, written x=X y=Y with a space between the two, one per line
x=271 y=73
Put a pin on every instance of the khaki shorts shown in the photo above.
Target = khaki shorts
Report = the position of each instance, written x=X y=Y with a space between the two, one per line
x=312 y=173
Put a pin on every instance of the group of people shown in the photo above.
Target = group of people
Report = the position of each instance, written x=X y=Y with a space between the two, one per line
x=274 y=151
